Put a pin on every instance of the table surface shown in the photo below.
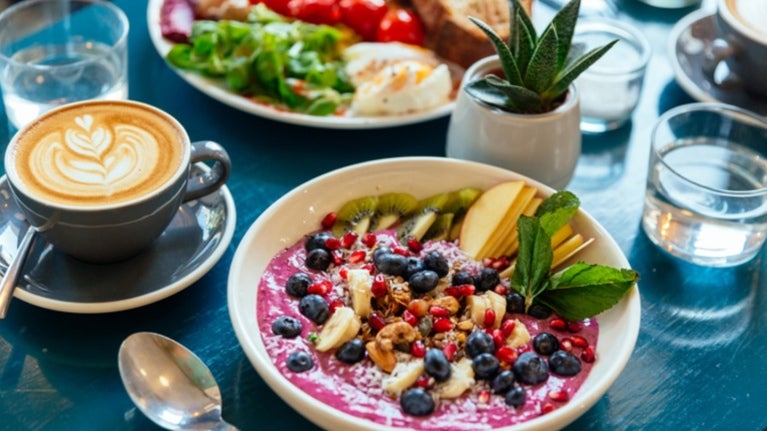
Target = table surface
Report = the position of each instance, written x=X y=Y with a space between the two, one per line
x=697 y=364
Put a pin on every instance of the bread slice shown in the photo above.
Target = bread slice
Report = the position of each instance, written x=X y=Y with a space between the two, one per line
x=453 y=37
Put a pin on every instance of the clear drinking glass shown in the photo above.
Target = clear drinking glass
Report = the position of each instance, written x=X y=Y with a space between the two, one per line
x=54 y=52
x=706 y=199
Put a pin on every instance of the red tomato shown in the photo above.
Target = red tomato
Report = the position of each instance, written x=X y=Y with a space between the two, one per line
x=315 y=11
x=400 y=25
x=363 y=16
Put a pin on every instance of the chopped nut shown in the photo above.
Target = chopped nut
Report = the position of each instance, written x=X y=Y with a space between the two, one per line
x=395 y=333
x=386 y=360
x=466 y=325
x=449 y=303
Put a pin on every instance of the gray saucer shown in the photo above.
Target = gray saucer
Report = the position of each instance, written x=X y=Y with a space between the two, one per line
x=195 y=240
x=687 y=42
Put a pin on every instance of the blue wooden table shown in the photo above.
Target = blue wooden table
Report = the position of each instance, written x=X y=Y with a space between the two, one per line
x=698 y=362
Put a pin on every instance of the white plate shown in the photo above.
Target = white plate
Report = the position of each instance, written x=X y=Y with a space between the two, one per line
x=222 y=94
x=300 y=211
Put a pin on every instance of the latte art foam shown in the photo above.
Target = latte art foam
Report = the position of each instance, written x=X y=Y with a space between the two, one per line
x=98 y=156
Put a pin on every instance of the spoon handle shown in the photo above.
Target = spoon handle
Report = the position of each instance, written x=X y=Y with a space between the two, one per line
x=14 y=270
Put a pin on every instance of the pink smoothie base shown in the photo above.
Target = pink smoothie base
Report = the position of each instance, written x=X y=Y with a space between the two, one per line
x=356 y=389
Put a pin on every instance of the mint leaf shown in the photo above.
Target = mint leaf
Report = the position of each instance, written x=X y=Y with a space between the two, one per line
x=585 y=290
x=533 y=260
x=557 y=209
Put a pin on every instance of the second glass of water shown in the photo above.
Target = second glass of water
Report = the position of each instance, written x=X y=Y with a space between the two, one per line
x=706 y=199
x=54 y=52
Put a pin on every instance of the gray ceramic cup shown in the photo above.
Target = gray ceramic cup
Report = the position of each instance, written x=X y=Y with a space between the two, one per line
x=741 y=44
x=103 y=231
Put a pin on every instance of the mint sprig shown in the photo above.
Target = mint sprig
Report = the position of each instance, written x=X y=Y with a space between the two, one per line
x=575 y=293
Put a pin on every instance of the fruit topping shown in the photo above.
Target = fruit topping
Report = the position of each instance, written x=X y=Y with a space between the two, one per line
x=503 y=382
x=417 y=402
x=298 y=284
x=516 y=396
x=485 y=366
x=436 y=365
x=299 y=362
x=315 y=308
x=545 y=343
x=318 y=259
x=286 y=326
x=564 y=363
x=530 y=369
x=479 y=342
x=351 y=351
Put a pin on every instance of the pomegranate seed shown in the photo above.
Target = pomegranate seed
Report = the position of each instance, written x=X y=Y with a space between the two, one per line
x=357 y=256
x=575 y=326
x=523 y=348
x=442 y=325
x=566 y=344
x=579 y=341
x=467 y=289
x=408 y=317
x=547 y=408
x=558 y=324
x=484 y=397
x=501 y=290
x=423 y=382
x=489 y=318
x=338 y=258
x=418 y=349
x=453 y=291
x=349 y=239
x=588 y=354
x=320 y=288
x=497 y=337
x=329 y=220
x=402 y=251
x=414 y=245
x=334 y=305
x=437 y=311
x=379 y=288
x=370 y=268
x=376 y=321
x=507 y=327
x=559 y=396
x=343 y=273
x=506 y=354
x=332 y=243
x=369 y=240
x=449 y=351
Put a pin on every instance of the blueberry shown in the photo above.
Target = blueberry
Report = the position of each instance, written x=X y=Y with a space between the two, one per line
x=414 y=265
x=516 y=396
x=299 y=362
x=515 y=302
x=487 y=279
x=317 y=240
x=417 y=402
x=545 y=343
x=392 y=264
x=288 y=327
x=436 y=365
x=297 y=284
x=437 y=263
x=315 y=308
x=462 y=277
x=479 y=342
x=503 y=382
x=530 y=369
x=423 y=281
x=485 y=366
x=318 y=259
x=539 y=311
x=379 y=252
x=564 y=363
x=351 y=351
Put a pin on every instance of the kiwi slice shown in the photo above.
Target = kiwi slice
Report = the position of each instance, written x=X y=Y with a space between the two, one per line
x=440 y=229
x=355 y=215
x=423 y=217
x=459 y=204
x=391 y=208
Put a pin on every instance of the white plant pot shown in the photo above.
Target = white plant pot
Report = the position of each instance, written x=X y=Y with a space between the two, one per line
x=544 y=147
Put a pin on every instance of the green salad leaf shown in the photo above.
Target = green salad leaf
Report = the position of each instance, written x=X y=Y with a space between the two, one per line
x=291 y=64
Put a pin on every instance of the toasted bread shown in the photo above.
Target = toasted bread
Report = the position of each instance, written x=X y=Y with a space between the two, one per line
x=453 y=37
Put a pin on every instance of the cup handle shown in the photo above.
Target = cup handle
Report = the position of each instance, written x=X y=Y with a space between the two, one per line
x=215 y=177
x=714 y=53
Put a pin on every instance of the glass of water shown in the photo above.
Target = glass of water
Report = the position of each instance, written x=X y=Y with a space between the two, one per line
x=54 y=52
x=706 y=199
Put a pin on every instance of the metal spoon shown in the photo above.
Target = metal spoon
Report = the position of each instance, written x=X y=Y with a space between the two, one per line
x=13 y=272
x=170 y=384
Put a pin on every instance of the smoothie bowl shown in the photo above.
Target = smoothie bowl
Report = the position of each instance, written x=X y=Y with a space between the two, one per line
x=361 y=324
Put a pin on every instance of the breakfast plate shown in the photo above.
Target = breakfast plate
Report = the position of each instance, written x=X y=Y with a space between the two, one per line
x=219 y=92
x=299 y=212
x=687 y=45
x=194 y=241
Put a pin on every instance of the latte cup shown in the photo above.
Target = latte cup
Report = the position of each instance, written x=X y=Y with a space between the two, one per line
x=741 y=44
x=101 y=180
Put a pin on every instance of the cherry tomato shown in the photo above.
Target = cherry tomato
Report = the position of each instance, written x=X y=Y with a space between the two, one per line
x=363 y=16
x=315 y=11
x=400 y=25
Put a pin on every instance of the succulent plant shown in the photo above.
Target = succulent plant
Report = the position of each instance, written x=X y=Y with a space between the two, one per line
x=538 y=69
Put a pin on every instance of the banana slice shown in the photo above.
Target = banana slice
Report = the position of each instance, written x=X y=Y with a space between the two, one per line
x=498 y=304
x=342 y=326
x=461 y=379
x=403 y=376
x=477 y=305
x=518 y=336
x=360 y=281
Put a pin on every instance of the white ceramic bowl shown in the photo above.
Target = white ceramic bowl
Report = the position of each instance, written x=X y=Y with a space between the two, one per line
x=300 y=211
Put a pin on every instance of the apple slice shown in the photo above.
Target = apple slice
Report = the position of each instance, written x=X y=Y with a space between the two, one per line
x=513 y=243
x=503 y=237
x=486 y=214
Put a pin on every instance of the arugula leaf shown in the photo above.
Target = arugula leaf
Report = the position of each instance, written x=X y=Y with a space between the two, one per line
x=533 y=260
x=585 y=290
